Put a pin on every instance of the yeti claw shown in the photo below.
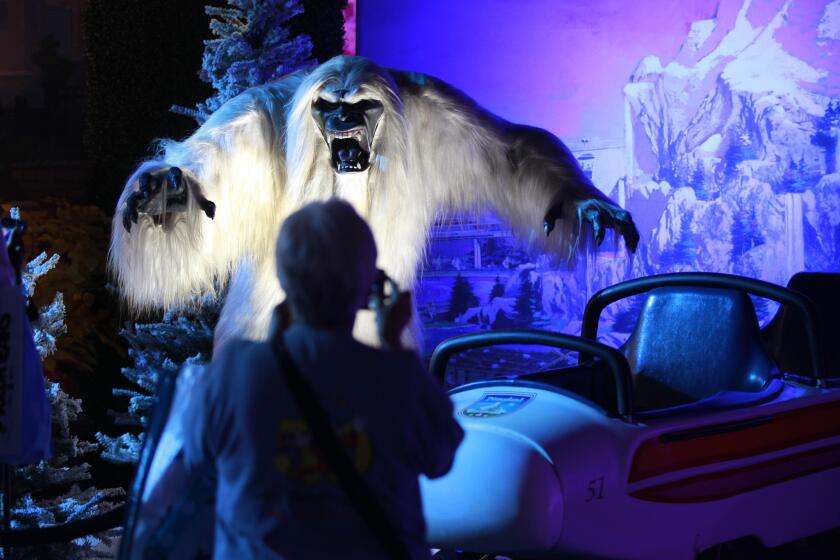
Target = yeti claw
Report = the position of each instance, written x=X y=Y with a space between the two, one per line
x=207 y=206
x=553 y=214
x=130 y=214
x=602 y=216
x=160 y=193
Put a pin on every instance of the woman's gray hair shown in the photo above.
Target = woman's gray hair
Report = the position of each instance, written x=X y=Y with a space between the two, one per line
x=326 y=263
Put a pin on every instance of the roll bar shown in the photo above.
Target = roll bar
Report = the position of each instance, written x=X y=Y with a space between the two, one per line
x=796 y=300
x=613 y=358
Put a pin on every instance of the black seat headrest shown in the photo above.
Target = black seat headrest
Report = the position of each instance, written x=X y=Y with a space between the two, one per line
x=692 y=343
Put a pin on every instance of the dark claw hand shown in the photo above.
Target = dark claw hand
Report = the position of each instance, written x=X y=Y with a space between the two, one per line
x=160 y=193
x=174 y=177
x=623 y=224
x=603 y=215
x=207 y=206
x=553 y=214
x=598 y=228
x=146 y=185
x=627 y=229
x=130 y=213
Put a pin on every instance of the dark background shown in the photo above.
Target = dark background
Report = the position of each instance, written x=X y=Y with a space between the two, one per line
x=86 y=87
x=85 y=90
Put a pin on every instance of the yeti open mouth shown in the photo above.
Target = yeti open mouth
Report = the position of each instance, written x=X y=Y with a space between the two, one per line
x=350 y=150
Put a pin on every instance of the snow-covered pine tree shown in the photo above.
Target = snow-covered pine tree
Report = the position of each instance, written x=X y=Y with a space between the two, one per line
x=253 y=45
x=524 y=308
x=685 y=250
x=461 y=298
x=180 y=338
x=49 y=492
x=826 y=133
x=742 y=147
x=699 y=183
x=744 y=234
x=498 y=290
x=797 y=178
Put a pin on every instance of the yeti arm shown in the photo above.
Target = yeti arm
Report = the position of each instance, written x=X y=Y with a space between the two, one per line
x=548 y=188
x=167 y=251
x=470 y=157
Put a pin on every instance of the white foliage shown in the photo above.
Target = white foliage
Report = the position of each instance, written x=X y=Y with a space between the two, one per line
x=36 y=268
x=55 y=482
x=50 y=326
x=65 y=409
x=123 y=449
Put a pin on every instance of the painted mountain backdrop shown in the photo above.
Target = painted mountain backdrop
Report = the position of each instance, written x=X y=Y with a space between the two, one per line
x=728 y=162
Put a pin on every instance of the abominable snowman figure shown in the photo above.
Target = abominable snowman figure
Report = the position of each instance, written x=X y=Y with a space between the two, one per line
x=401 y=147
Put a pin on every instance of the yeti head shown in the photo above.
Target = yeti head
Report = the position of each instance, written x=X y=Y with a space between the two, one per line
x=345 y=114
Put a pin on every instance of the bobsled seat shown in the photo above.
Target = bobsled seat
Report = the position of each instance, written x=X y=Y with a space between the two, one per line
x=785 y=335
x=693 y=343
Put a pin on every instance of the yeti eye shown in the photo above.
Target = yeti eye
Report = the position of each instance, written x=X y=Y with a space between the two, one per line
x=325 y=106
x=367 y=105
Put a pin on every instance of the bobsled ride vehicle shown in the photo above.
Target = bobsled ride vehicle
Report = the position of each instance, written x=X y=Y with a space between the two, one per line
x=700 y=431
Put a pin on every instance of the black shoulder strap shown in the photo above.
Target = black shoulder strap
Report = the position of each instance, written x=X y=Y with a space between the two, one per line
x=327 y=442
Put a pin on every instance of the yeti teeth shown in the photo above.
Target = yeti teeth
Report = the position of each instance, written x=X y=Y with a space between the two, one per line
x=357 y=134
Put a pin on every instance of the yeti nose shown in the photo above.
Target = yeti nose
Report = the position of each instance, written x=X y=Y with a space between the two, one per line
x=344 y=120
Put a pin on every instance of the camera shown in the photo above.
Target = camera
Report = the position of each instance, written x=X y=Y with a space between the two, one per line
x=382 y=291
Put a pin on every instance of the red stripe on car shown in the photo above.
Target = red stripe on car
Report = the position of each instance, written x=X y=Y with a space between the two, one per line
x=716 y=486
x=705 y=445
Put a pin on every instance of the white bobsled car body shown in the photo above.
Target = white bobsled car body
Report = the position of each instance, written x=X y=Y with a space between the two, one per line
x=686 y=438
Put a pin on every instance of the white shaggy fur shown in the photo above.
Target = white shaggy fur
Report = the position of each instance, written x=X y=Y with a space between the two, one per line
x=261 y=156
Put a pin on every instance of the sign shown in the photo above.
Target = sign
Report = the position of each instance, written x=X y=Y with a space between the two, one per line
x=497 y=404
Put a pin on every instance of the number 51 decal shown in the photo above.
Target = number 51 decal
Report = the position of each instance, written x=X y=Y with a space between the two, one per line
x=595 y=490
